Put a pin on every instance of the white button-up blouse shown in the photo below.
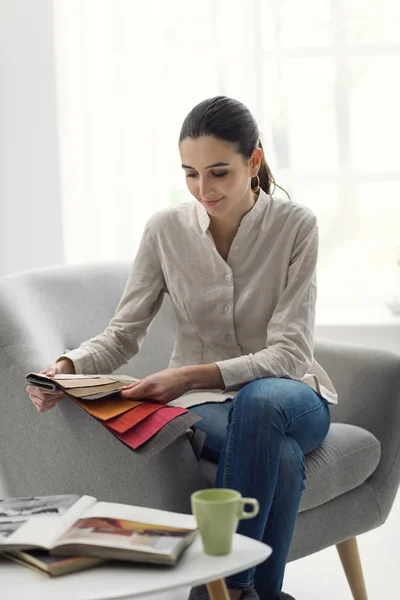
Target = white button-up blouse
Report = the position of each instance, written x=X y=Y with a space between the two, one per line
x=252 y=314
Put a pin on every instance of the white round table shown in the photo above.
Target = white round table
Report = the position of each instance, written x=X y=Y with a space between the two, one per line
x=130 y=581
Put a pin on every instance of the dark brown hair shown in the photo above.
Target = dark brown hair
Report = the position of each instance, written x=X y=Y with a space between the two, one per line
x=229 y=120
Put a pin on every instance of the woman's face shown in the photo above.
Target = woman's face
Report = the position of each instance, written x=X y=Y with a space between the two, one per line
x=216 y=175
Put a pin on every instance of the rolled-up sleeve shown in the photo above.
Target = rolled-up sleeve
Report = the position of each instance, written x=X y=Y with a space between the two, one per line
x=290 y=333
x=140 y=302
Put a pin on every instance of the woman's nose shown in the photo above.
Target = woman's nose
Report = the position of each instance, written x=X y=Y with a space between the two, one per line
x=205 y=189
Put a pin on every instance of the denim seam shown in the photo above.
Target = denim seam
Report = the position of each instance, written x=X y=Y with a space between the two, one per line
x=239 y=585
x=306 y=412
x=229 y=447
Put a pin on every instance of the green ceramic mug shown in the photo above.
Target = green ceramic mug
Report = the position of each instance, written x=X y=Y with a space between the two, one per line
x=217 y=512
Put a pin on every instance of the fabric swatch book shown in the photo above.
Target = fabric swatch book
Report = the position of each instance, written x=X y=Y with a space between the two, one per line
x=97 y=387
x=72 y=525
x=87 y=387
x=145 y=426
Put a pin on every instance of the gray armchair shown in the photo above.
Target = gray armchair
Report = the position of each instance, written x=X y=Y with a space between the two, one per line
x=352 y=478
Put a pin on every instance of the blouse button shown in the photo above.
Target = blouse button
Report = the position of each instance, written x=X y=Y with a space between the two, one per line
x=228 y=277
x=226 y=308
x=228 y=337
x=236 y=247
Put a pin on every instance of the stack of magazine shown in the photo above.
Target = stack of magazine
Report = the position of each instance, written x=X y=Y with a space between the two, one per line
x=62 y=534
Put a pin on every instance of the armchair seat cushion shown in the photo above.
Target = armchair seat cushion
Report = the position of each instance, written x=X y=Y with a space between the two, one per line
x=344 y=460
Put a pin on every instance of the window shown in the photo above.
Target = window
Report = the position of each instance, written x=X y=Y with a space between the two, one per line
x=320 y=77
x=325 y=98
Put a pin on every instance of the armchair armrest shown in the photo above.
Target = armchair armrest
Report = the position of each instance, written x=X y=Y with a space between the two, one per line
x=368 y=384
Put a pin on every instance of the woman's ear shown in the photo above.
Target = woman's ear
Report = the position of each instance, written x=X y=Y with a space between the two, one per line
x=256 y=158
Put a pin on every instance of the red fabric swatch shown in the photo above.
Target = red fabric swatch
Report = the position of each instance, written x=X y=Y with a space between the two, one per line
x=131 y=418
x=143 y=431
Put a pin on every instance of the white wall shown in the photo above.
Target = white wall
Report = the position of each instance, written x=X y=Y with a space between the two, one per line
x=30 y=203
x=30 y=200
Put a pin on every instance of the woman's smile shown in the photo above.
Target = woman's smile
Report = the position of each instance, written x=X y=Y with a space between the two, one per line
x=213 y=202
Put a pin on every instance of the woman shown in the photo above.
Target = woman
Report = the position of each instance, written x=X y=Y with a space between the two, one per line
x=240 y=268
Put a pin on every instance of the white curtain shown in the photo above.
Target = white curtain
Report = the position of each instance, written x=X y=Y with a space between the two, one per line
x=318 y=76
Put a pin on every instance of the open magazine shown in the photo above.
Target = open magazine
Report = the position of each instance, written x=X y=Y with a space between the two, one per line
x=71 y=525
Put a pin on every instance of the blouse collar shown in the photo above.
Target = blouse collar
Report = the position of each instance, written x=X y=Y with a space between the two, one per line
x=247 y=220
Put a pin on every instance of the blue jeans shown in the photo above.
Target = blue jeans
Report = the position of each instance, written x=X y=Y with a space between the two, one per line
x=259 y=439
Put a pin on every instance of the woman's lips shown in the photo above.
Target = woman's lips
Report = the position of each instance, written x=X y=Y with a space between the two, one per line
x=213 y=202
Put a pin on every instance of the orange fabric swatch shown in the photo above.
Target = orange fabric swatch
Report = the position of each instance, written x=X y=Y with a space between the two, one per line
x=107 y=408
x=132 y=417
x=138 y=435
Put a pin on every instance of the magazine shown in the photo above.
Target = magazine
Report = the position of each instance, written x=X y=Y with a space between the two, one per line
x=72 y=525
x=42 y=562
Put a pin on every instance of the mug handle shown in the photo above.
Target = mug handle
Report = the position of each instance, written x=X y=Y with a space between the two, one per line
x=243 y=514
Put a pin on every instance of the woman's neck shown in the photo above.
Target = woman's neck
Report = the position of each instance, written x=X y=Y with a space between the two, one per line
x=225 y=229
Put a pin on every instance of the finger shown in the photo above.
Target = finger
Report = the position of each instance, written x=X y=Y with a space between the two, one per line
x=136 y=392
x=130 y=386
x=131 y=394
x=40 y=398
x=50 y=394
x=38 y=390
x=45 y=395
x=44 y=407
x=43 y=403
x=50 y=371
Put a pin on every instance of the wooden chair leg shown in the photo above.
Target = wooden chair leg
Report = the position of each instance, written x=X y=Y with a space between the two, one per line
x=350 y=559
x=217 y=590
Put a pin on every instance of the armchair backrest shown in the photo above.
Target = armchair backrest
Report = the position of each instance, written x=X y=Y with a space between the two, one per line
x=45 y=311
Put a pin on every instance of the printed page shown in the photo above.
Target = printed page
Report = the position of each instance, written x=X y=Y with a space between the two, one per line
x=39 y=520
x=110 y=525
x=141 y=513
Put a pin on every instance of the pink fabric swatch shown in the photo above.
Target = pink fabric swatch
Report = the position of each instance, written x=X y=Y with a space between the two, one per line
x=143 y=431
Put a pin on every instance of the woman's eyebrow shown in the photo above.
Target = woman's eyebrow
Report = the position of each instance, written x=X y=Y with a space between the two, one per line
x=219 y=164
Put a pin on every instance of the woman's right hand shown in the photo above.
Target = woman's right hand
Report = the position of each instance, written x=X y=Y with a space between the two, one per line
x=44 y=400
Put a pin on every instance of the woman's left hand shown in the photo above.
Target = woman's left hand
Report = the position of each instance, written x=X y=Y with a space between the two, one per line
x=163 y=386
